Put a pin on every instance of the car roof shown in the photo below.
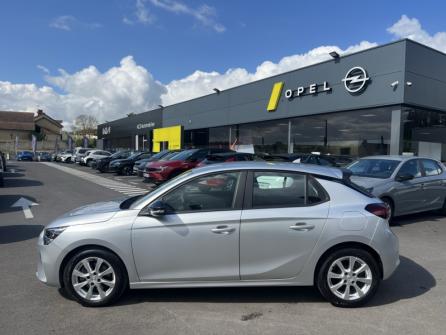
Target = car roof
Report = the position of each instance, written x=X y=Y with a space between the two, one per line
x=395 y=157
x=255 y=165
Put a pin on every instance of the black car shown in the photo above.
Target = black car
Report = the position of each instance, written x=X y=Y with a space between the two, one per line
x=138 y=167
x=102 y=164
x=125 y=166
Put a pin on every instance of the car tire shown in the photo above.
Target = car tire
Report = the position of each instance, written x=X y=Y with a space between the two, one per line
x=98 y=290
x=443 y=209
x=336 y=277
x=89 y=162
x=126 y=171
x=389 y=202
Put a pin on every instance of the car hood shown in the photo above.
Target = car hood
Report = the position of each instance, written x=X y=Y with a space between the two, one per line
x=368 y=182
x=93 y=213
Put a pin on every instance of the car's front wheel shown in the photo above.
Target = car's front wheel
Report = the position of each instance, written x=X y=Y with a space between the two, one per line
x=348 y=277
x=95 y=277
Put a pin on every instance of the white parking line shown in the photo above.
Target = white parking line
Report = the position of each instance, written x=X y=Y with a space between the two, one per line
x=102 y=181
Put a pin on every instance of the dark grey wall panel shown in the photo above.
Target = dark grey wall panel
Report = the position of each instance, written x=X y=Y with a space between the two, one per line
x=248 y=103
x=426 y=70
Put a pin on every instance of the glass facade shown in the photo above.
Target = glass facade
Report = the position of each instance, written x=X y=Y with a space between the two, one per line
x=354 y=133
x=423 y=133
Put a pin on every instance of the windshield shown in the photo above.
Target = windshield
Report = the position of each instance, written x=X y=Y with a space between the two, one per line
x=182 y=156
x=136 y=154
x=169 y=156
x=82 y=151
x=374 y=168
x=159 y=155
x=160 y=188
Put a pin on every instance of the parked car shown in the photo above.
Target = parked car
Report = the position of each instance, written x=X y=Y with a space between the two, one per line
x=79 y=153
x=102 y=164
x=324 y=160
x=138 y=167
x=226 y=225
x=25 y=156
x=2 y=168
x=91 y=155
x=44 y=156
x=163 y=170
x=125 y=166
x=406 y=184
x=227 y=157
x=67 y=157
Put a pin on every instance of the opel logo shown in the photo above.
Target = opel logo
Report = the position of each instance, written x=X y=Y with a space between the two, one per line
x=355 y=79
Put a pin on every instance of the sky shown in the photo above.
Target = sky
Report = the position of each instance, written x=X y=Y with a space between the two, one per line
x=109 y=58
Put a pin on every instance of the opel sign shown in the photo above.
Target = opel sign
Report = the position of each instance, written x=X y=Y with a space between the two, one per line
x=355 y=79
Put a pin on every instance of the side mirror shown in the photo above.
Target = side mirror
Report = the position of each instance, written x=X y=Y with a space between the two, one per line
x=156 y=209
x=404 y=177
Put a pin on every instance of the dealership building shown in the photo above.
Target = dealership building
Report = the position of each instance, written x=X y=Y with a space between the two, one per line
x=390 y=99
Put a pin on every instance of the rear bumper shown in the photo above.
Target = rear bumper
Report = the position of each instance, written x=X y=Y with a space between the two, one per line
x=387 y=245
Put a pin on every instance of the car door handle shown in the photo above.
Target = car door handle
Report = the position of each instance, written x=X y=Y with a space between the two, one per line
x=223 y=230
x=301 y=226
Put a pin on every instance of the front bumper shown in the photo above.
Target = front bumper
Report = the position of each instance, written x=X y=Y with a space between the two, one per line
x=48 y=264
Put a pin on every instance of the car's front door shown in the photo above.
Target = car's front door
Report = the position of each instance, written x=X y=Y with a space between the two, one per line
x=198 y=239
x=286 y=214
x=407 y=194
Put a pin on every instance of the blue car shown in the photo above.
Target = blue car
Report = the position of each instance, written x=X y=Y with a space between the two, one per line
x=25 y=156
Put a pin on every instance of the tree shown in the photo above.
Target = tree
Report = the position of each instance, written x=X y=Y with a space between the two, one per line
x=85 y=125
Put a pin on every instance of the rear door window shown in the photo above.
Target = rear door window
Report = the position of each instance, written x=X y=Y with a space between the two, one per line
x=431 y=168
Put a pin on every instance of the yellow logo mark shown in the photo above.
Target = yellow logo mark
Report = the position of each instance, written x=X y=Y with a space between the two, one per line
x=275 y=96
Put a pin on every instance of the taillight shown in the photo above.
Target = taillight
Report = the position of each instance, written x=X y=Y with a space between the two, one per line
x=379 y=209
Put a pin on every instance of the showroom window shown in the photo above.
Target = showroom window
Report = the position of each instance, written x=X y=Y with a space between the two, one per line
x=424 y=133
x=354 y=133
x=261 y=137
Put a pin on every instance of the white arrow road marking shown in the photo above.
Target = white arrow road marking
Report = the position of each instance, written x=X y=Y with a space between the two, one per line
x=25 y=204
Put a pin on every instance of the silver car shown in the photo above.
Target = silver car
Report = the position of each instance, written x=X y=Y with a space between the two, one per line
x=407 y=184
x=237 y=224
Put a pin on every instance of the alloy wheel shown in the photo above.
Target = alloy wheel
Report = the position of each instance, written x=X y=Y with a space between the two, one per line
x=93 y=278
x=349 y=278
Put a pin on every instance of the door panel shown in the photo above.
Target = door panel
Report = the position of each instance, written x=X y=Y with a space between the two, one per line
x=180 y=247
x=408 y=195
x=271 y=247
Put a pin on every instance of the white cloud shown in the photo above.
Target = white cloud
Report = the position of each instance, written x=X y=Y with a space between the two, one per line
x=141 y=15
x=69 y=22
x=201 y=83
x=110 y=95
x=411 y=28
x=43 y=68
x=132 y=88
x=205 y=14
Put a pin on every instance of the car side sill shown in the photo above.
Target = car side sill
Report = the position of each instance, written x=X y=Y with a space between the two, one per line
x=235 y=283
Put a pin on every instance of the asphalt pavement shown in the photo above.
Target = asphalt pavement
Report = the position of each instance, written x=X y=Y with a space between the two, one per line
x=412 y=301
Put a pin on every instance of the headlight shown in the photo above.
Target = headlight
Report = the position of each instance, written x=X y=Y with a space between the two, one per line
x=51 y=234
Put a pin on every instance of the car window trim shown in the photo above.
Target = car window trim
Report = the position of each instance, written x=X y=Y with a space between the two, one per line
x=239 y=195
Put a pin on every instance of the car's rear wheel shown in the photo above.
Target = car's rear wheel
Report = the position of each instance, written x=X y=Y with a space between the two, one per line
x=443 y=209
x=95 y=277
x=348 y=277
x=127 y=171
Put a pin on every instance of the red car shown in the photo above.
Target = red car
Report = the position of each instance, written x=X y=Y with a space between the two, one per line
x=163 y=170
x=227 y=157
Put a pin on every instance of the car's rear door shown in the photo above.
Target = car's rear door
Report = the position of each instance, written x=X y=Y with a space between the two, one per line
x=198 y=240
x=434 y=185
x=283 y=216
